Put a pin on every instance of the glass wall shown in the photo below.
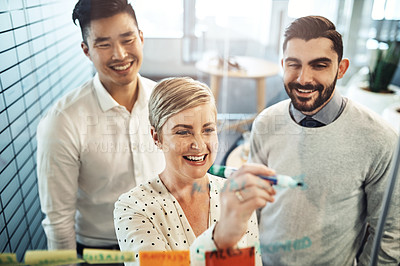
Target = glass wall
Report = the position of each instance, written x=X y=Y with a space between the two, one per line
x=40 y=60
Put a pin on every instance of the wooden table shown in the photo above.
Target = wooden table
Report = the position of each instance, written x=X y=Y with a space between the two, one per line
x=250 y=68
x=235 y=159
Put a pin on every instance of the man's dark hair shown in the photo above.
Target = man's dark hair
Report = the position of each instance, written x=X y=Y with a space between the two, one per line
x=87 y=10
x=313 y=27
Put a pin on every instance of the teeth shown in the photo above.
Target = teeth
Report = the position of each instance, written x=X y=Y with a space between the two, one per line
x=120 y=68
x=196 y=158
x=305 y=91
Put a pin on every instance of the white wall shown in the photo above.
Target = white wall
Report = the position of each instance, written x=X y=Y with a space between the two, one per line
x=163 y=57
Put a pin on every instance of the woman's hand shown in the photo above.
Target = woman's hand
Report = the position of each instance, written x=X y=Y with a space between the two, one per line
x=242 y=194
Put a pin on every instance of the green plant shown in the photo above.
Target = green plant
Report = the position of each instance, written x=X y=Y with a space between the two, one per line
x=385 y=66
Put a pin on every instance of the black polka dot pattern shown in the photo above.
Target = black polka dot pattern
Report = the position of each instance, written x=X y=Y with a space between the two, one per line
x=149 y=218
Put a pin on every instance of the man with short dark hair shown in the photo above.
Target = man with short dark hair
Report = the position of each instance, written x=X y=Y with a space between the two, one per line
x=95 y=143
x=339 y=149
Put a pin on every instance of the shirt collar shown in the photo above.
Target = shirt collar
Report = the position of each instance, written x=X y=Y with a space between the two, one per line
x=107 y=102
x=327 y=114
x=142 y=100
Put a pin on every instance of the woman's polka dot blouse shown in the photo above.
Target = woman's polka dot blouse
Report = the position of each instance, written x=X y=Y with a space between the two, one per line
x=149 y=218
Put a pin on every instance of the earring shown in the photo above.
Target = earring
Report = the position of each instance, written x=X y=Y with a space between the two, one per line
x=158 y=144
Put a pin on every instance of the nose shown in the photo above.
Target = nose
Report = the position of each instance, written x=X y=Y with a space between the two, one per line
x=305 y=76
x=119 y=52
x=197 y=142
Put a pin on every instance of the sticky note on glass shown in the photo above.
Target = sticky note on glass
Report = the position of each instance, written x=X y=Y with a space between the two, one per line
x=9 y=259
x=231 y=257
x=165 y=258
x=51 y=257
x=106 y=256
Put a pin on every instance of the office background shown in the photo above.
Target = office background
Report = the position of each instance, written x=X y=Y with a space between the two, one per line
x=41 y=59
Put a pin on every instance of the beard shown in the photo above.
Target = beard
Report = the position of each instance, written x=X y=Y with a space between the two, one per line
x=307 y=104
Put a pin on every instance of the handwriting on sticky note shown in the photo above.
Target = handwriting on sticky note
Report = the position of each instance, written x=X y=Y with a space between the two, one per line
x=51 y=257
x=231 y=257
x=165 y=258
x=9 y=259
x=103 y=256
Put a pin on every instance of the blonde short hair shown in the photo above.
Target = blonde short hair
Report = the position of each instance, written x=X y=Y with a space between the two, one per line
x=173 y=95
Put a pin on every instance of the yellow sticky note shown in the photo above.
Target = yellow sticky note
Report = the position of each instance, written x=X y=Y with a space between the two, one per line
x=9 y=259
x=165 y=258
x=103 y=256
x=51 y=257
x=231 y=257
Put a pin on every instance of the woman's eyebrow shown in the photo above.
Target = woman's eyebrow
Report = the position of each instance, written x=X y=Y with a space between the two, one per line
x=182 y=125
x=209 y=124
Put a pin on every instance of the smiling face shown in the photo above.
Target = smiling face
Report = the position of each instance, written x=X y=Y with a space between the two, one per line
x=189 y=141
x=310 y=72
x=115 y=46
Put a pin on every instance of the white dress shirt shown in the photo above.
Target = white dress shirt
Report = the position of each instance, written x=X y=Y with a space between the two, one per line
x=90 y=151
x=150 y=218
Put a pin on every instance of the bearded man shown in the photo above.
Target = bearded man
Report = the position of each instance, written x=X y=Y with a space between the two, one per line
x=339 y=149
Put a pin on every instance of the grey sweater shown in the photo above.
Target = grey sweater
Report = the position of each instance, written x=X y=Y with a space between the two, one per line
x=345 y=167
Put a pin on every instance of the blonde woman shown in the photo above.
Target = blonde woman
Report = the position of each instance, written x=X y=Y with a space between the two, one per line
x=185 y=207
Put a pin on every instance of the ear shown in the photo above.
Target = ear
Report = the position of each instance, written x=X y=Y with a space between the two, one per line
x=282 y=62
x=85 y=49
x=156 y=137
x=141 y=36
x=343 y=66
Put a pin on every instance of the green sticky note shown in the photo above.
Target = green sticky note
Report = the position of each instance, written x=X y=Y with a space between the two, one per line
x=103 y=256
x=9 y=259
x=51 y=257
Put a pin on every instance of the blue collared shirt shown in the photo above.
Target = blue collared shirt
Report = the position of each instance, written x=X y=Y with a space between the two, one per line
x=327 y=114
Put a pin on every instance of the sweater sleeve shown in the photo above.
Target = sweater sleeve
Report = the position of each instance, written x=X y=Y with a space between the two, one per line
x=376 y=185
x=256 y=141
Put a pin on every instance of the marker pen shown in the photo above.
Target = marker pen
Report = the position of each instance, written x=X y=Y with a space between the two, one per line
x=279 y=180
